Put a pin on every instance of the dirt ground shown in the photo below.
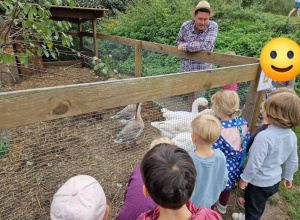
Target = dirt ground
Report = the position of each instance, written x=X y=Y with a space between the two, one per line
x=96 y=139
x=272 y=212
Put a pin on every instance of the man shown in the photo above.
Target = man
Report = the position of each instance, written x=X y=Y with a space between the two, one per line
x=196 y=35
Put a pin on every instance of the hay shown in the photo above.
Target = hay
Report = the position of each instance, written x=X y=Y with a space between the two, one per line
x=44 y=155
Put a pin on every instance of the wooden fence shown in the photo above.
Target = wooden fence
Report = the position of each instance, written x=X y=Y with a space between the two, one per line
x=37 y=105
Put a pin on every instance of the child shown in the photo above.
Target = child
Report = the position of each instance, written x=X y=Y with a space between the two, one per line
x=296 y=7
x=135 y=202
x=271 y=148
x=232 y=141
x=212 y=174
x=81 y=197
x=169 y=178
x=232 y=87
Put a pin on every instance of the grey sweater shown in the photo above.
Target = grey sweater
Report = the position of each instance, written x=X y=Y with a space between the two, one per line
x=271 y=148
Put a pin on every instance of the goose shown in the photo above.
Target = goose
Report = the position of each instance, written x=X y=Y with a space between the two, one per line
x=184 y=141
x=170 y=115
x=126 y=115
x=132 y=129
x=171 y=128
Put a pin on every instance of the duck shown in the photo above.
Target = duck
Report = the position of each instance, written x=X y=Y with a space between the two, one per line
x=126 y=115
x=170 y=115
x=171 y=128
x=184 y=141
x=132 y=129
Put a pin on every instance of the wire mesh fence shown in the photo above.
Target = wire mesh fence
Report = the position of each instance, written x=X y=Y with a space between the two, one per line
x=36 y=159
x=42 y=156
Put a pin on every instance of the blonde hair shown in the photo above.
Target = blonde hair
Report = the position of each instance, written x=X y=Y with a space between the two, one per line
x=283 y=109
x=226 y=102
x=160 y=140
x=283 y=89
x=207 y=127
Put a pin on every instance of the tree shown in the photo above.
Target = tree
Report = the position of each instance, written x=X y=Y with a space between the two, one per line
x=25 y=23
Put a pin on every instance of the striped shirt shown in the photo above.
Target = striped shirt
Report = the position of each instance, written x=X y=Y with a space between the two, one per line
x=207 y=39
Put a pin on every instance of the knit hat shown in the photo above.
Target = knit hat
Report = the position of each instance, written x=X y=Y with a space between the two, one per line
x=81 y=197
x=203 y=4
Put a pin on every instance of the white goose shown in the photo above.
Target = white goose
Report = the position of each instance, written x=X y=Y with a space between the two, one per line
x=171 y=128
x=184 y=141
x=170 y=115
x=132 y=129
x=126 y=115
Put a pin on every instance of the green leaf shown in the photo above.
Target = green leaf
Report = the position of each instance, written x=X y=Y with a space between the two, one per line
x=39 y=52
x=53 y=55
x=59 y=24
x=72 y=4
x=30 y=16
x=96 y=67
x=7 y=58
x=29 y=163
x=46 y=53
x=1 y=20
x=33 y=10
x=22 y=57
x=49 y=45
x=7 y=2
x=29 y=53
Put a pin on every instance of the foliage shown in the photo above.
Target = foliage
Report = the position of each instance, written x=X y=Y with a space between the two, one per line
x=25 y=24
x=4 y=145
x=243 y=29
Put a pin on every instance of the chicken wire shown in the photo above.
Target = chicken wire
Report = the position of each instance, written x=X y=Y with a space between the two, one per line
x=39 y=158
x=43 y=156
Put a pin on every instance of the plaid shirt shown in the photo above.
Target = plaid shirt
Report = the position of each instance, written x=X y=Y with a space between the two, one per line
x=207 y=39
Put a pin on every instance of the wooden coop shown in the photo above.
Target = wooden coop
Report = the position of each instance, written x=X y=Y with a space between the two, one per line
x=59 y=132
x=77 y=15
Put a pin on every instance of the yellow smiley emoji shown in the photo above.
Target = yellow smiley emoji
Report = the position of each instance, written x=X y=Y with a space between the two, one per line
x=280 y=59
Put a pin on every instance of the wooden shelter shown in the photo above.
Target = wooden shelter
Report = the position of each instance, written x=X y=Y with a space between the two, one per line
x=79 y=15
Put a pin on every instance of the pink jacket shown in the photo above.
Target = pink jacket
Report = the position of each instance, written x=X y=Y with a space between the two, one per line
x=197 y=214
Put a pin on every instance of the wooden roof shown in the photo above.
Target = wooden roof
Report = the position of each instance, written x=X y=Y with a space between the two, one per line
x=74 y=14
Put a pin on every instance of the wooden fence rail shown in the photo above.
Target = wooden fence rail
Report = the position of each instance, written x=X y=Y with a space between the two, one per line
x=36 y=105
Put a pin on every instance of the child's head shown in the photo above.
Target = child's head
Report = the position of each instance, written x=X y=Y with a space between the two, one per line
x=283 y=89
x=169 y=175
x=160 y=140
x=206 y=127
x=81 y=197
x=282 y=110
x=226 y=103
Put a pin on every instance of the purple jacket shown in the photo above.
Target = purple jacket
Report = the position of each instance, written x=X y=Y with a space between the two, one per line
x=135 y=202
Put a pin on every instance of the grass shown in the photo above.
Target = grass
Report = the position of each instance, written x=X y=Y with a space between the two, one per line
x=291 y=197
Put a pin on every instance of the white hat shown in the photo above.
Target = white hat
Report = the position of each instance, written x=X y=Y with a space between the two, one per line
x=203 y=4
x=81 y=197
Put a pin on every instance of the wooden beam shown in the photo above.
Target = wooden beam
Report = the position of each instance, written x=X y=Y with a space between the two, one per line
x=138 y=59
x=253 y=101
x=65 y=12
x=36 y=105
x=202 y=56
x=95 y=38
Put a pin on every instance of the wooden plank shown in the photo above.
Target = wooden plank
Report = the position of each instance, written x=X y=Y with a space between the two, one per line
x=31 y=106
x=253 y=101
x=65 y=13
x=95 y=38
x=202 y=56
x=138 y=59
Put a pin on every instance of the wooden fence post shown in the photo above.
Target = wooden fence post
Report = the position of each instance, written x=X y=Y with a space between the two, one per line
x=253 y=102
x=138 y=58
x=95 y=38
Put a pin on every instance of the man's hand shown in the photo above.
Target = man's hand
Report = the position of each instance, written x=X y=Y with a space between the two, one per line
x=243 y=184
x=287 y=183
x=180 y=47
